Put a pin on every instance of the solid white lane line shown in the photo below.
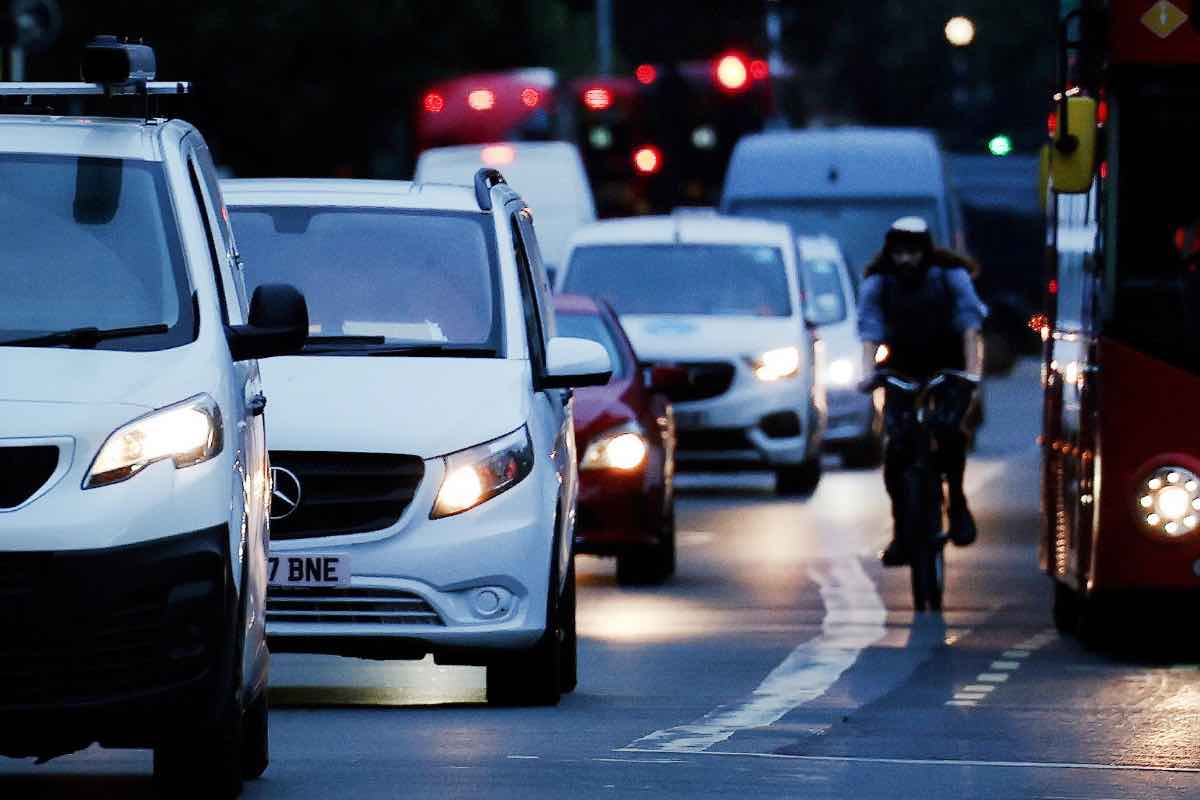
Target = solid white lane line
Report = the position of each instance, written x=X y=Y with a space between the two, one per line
x=939 y=762
x=854 y=620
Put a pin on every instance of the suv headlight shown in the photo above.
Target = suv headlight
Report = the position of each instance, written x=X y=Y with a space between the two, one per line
x=477 y=474
x=189 y=433
x=782 y=362
x=842 y=372
x=622 y=448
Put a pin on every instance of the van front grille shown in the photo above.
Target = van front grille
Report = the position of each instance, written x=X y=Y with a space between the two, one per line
x=23 y=471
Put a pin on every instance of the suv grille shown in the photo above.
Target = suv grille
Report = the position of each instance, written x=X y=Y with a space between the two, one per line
x=24 y=470
x=705 y=380
x=349 y=606
x=344 y=493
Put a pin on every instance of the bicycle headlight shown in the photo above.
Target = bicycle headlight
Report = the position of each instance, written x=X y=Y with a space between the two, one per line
x=477 y=474
x=189 y=433
x=1169 y=501
x=622 y=448
x=773 y=365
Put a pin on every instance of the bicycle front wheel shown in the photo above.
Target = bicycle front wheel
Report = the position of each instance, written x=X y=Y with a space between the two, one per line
x=928 y=577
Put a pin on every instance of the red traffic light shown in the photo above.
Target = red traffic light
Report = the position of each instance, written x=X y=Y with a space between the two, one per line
x=647 y=159
x=597 y=98
x=732 y=72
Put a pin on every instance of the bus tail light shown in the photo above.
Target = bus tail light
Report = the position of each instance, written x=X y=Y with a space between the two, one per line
x=434 y=103
x=482 y=99
x=647 y=160
x=1169 y=501
x=597 y=98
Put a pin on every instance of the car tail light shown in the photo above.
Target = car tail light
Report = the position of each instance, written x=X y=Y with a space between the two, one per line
x=646 y=74
x=731 y=72
x=434 y=103
x=647 y=159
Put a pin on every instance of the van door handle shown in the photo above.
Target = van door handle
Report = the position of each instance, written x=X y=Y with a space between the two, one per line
x=257 y=404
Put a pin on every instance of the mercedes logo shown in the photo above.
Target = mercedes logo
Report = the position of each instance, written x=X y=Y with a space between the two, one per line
x=285 y=493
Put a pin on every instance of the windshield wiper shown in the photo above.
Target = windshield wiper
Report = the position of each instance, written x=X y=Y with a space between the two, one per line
x=85 y=338
x=450 y=351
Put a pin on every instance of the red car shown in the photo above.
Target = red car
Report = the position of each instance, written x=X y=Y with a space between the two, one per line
x=625 y=436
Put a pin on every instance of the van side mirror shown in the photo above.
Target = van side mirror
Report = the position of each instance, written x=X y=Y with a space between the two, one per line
x=1073 y=154
x=278 y=324
x=572 y=363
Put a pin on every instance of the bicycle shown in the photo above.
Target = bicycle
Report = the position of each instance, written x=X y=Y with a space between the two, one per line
x=914 y=412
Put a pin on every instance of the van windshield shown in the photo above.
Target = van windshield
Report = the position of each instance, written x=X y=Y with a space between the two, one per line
x=377 y=280
x=90 y=243
x=712 y=279
x=858 y=224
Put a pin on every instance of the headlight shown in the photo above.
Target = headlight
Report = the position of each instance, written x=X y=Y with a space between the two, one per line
x=623 y=448
x=842 y=372
x=479 y=473
x=1169 y=501
x=188 y=433
x=783 y=362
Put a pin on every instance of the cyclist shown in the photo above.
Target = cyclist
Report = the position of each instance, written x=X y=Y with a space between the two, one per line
x=919 y=303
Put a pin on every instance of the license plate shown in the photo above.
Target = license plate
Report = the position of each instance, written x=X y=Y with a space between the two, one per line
x=305 y=569
x=691 y=419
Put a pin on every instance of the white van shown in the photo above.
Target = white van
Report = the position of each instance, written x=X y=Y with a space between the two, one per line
x=549 y=176
x=134 y=482
x=722 y=298
x=423 y=441
x=848 y=183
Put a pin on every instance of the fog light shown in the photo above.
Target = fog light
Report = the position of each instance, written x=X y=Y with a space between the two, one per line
x=1169 y=501
x=490 y=601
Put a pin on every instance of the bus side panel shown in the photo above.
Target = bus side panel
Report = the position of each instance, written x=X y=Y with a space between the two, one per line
x=1147 y=421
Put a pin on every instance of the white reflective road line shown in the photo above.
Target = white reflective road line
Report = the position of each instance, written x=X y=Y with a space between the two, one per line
x=854 y=620
x=1015 y=654
x=979 y=687
x=992 y=677
x=939 y=762
x=1005 y=665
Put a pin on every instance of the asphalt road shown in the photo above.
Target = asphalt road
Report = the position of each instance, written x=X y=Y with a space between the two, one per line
x=781 y=662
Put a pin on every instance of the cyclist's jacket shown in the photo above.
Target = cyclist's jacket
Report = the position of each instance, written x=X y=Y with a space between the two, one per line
x=921 y=320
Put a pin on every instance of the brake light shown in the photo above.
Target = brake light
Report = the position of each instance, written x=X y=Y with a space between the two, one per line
x=434 y=103
x=1052 y=123
x=530 y=97
x=731 y=72
x=482 y=99
x=497 y=155
x=597 y=98
x=759 y=69
x=646 y=74
x=647 y=159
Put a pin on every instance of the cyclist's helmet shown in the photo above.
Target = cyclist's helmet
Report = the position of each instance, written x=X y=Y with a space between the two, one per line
x=911 y=231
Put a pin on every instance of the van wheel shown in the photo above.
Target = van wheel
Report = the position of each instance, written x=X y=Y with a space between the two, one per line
x=256 y=751
x=800 y=480
x=206 y=763
x=532 y=677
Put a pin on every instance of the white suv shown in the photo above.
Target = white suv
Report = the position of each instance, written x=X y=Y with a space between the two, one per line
x=423 y=446
x=721 y=297
x=134 y=483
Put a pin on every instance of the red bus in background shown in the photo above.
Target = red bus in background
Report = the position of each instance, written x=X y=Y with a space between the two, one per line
x=518 y=105
x=1121 y=377
x=651 y=140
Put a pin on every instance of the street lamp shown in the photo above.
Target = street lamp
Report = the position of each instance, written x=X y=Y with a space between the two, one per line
x=960 y=31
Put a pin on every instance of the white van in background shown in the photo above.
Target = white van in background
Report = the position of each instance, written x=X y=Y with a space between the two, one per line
x=848 y=183
x=548 y=175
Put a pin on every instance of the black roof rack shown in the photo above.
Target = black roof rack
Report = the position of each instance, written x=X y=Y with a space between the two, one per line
x=485 y=180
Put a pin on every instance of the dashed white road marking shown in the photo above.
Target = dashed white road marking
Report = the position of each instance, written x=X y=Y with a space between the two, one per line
x=1010 y=663
x=1005 y=665
x=979 y=687
x=1015 y=654
x=940 y=762
x=992 y=677
x=854 y=620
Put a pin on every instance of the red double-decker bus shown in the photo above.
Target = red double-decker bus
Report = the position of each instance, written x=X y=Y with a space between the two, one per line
x=1121 y=465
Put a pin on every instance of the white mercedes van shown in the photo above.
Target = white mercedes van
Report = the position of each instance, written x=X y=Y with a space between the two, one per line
x=422 y=442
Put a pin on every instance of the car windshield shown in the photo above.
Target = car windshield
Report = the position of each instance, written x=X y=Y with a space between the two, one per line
x=857 y=224
x=381 y=280
x=594 y=327
x=824 y=291
x=707 y=279
x=90 y=243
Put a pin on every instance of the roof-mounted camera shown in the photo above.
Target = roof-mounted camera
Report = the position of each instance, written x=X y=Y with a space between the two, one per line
x=110 y=67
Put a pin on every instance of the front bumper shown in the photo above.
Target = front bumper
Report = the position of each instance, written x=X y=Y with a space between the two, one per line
x=617 y=511
x=462 y=588
x=853 y=417
x=115 y=645
x=753 y=424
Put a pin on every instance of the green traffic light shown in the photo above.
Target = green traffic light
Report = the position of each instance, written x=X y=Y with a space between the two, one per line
x=1000 y=145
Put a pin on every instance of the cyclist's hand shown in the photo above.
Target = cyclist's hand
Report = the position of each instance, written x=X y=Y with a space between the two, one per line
x=870 y=383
